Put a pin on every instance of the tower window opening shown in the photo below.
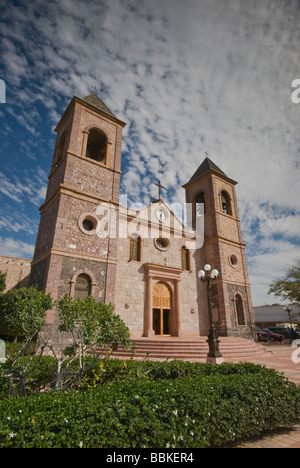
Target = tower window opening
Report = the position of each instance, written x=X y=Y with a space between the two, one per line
x=96 y=146
x=61 y=148
x=199 y=208
x=226 y=205
x=200 y=204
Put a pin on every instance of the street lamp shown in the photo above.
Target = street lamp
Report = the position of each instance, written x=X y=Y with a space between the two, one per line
x=288 y=309
x=214 y=356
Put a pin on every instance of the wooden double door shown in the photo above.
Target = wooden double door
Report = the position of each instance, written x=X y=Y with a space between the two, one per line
x=162 y=309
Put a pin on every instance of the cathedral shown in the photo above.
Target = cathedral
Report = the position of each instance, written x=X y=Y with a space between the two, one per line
x=144 y=262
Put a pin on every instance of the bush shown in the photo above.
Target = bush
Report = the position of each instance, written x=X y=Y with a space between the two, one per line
x=116 y=370
x=209 y=410
x=23 y=312
x=41 y=374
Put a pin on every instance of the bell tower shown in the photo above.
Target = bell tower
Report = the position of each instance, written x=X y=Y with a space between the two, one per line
x=223 y=249
x=70 y=257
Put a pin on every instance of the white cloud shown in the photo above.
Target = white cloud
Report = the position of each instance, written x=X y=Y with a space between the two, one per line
x=32 y=187
x=17 y=222
x=270 y=265
x=10 y=247
x=187 y=77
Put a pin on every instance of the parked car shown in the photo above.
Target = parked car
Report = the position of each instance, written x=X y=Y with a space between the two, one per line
x=282 y=331
x=274 y=336
x=262 y=335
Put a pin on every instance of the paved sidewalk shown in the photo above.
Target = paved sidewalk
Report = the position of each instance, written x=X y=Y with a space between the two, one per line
x=286 y=438
x=279 y=357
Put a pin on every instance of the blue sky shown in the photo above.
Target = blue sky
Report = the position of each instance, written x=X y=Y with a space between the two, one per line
x=187 y=77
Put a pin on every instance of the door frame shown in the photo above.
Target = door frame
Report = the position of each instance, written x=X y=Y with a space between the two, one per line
x=171 y=277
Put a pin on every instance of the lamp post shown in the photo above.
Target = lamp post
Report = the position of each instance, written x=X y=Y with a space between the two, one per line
x=214 y=356
x=288 y=309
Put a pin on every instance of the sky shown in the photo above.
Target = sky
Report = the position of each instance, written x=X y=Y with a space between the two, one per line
x=187 y=77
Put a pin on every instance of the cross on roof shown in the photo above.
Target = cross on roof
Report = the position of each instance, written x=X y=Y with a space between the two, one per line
x=160 y=187
x=207 y=154
x=96 y=91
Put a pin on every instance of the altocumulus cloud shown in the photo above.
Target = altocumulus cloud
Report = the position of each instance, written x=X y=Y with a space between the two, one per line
x=187 y=77
x=9 y=247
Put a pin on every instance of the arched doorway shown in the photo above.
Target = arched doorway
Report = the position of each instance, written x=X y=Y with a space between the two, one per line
x=162 y=309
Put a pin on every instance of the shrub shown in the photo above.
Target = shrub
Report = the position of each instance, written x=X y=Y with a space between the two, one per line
x=116 y=370
x=93 y=327
x=41 y=374
x=202 y=412
x=2 y=282
x=23 y=311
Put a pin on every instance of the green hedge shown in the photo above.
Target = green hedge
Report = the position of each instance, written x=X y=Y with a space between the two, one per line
x=41 y=377
x=116 y=370
x=205 y=411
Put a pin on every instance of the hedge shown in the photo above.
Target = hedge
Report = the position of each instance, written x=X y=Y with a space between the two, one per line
x=206 y=411
x=116 y=370
x=122 y=370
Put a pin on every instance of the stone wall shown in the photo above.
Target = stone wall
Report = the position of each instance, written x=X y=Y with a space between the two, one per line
x=131 y=286
x=17 y=272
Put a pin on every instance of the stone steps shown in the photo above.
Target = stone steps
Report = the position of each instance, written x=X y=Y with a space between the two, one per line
x=190 y=349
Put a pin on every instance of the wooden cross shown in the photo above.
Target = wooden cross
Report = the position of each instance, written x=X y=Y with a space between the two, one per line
x=160 y=187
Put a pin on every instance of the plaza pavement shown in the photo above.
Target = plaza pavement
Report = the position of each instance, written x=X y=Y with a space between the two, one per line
x=277 y=356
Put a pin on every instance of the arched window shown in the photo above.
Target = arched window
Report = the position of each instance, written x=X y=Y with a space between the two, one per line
x=200 y=201
x=96 y=146
x=61 y=148
x=185 y=259
x=135 y=248
x=239 y=306
x=226 y=205
x=199 y=208
x=83 y=287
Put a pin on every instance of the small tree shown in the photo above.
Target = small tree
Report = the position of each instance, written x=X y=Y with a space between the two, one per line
x=2 y=282
x=23 y=314
x=93 y=327
x=289 y=287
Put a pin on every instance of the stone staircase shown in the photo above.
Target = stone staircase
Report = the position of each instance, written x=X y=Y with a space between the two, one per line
x=194 y=350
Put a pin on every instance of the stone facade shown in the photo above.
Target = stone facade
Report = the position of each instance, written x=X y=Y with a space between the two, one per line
x=78 y=184
x=17 y=272
x=136 y=280
x=145 y=263
x=224 y=248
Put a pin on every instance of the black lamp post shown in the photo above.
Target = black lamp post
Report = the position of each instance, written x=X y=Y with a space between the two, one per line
x=288 y=309
x=214 y=356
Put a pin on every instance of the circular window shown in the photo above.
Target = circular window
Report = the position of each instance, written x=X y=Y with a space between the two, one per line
x=233 y=260
x=88 y=224
x=161 y=244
